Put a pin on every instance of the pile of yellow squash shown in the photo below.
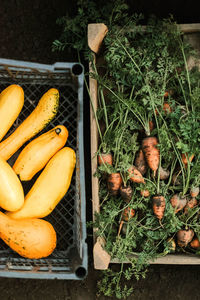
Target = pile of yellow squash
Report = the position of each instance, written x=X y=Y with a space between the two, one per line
x=21 y=226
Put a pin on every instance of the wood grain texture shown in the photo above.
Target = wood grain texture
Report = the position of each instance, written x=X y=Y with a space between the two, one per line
x=96 y=34
x=101 y=257
x=171 y=259
x=94 y=143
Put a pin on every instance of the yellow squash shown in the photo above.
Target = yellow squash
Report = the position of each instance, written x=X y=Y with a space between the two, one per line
x=11 y=191
x=32 y=238
x=38 y=152
x=11 y=103
x=50 y=187
x=44 y=112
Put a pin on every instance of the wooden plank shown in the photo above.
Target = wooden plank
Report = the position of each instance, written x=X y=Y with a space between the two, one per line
x=96 y=34
x=101 y=257
x=94 y=145
x=171 y=259
x=185 y=28
x=189 y=28
x=194 y=40
x=175 y=259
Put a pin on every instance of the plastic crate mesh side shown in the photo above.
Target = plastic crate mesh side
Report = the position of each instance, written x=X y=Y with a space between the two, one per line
x=77 y=208
x=41 y=265
x=66 y=217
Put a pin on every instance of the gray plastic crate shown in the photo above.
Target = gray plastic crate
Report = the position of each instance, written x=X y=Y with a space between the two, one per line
x=69 y=259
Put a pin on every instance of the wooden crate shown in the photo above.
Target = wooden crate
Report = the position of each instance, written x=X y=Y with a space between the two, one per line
x=96 y=34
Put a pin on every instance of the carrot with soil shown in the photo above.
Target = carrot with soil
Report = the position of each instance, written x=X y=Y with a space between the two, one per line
x=114 y=182
x=184 y=237
x=167 y=108
x=135 y=175
x=178 y=202
x=127 y=214
x=186 y=159
x=126 y=192
x=140 y=162
x=194 y=192
x=190 y=204
x=159 y=204
x=151 y=152
x=105 y=158
x=144 y=193
x=195 y=243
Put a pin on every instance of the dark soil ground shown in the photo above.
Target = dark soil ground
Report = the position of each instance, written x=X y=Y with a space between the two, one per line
x=27 y=30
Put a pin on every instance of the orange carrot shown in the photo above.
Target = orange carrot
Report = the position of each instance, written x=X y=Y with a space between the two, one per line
x=167 y=108
x=178 y=202
x=184 y=237
x=151 y=153
x=185 y=158
x=124 y=228
x=114 y=182
x=135 y=175
x=168 y=93
x=190 y=204
x=126 y=192
x=105 y=158
x=195 y=243
x=127 y=214
x=140 y=162
x=151 y=125
x=159 y=206
x=194 y=192
x=145 y=193
x=120 y=227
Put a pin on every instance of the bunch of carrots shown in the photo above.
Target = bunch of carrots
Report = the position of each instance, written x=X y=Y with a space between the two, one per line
x=148 y=158
x=174 y=186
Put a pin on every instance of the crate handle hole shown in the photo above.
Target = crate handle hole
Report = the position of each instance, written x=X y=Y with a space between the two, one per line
x=77 y=69
x=80 y=272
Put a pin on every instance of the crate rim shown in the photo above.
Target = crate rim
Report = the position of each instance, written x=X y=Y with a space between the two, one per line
x=46 y=67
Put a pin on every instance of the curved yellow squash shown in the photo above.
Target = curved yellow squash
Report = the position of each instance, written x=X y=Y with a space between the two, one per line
x=11 y=103
x=11 y=191
x=37 y=153
x=50 y=187
x=32 y=238
x=44 y=112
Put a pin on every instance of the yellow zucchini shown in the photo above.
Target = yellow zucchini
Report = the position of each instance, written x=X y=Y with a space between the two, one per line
x=50 y=187
x=11 y=190
x=37 y=153
x=44 y=112
x=33 y=238
x=11 y=103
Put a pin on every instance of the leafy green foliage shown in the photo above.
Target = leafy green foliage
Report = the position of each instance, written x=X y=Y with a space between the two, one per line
x=139 y=65
x=110 y=283
x=139 y=70
x=74 y=28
